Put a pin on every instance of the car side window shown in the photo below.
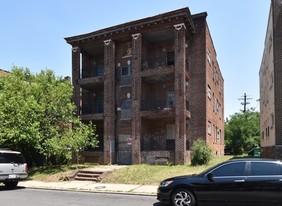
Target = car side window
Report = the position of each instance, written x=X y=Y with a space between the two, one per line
x=265 y=168
x=232 y=169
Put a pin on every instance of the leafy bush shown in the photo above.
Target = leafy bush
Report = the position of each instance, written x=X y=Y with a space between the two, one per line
x=201 y=153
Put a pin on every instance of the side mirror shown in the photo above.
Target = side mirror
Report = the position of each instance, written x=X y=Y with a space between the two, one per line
x=210 y=177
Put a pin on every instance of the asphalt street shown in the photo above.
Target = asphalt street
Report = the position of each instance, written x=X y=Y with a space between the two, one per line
x=35 y=197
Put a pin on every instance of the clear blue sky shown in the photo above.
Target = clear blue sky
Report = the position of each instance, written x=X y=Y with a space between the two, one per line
x=32 y=34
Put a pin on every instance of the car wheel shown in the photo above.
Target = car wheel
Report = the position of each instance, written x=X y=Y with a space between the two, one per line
x=11 y=185
x=183 y=197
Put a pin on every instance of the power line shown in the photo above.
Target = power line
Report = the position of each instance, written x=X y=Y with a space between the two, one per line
x=244 y=103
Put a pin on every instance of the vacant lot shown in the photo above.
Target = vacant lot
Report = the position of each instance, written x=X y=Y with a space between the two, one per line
x=133 y=174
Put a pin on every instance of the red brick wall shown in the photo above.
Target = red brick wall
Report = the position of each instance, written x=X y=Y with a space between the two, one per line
x=277 y=49
x=197 y=82
x=215 y=105
x=205 y=72
x=274 y=152
x=136 y=98
x=76 y=76
x=109 y=103
x=180 y=95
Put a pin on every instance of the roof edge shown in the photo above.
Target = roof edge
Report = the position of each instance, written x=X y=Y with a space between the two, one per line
x=136 y=23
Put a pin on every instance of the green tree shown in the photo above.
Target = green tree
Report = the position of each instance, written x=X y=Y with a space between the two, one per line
x=38 y=117
x=242 y=132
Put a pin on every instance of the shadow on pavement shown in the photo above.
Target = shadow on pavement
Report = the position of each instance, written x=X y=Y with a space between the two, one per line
x=159 y=204
x=3 y=188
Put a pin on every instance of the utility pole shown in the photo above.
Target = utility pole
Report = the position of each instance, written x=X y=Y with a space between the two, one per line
x=245 y=101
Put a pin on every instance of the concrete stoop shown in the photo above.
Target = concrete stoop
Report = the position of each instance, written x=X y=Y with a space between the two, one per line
x=87 y=175
x=95 y=174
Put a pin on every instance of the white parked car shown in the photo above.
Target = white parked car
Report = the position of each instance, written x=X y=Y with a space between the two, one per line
x=13 y=168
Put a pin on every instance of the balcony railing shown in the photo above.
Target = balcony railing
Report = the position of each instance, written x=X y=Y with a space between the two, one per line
x=98 y=71
x=125 y=80
x=95 y=110
x=155 y=62
x=155 y=105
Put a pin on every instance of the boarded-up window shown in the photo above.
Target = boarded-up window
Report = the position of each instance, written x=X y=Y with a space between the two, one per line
x=170 y=131
x=126 y=109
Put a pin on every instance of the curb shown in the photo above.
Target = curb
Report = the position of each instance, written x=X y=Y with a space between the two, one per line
x=84 y=186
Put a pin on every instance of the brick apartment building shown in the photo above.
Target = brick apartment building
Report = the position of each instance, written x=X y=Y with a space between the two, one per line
x=3 y=72
x=271 y=85
x=151 y=87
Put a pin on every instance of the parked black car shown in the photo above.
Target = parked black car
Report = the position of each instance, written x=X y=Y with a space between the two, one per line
x=235 y=182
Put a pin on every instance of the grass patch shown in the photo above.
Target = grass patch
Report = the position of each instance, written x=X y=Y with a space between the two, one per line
x=54 y=173
x=153 y=174
x=133 y=174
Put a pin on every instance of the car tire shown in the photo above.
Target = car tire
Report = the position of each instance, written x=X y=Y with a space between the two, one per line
x=11 y=185
x=183 y=197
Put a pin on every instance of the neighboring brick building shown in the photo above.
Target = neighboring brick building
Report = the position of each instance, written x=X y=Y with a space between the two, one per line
x=271 y=85
x=3 y=72
x=151 y=87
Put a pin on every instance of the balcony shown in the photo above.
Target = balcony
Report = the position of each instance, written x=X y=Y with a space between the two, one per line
x=150 y=63
x=155 y=105
x=97 y=71
x=93 y=113
x=153 y=109
x=95 y=110
x=157 y=70
x=90 y=77
x=91 y=82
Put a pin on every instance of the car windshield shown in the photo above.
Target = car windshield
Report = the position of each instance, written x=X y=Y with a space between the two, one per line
x=11 y=158
x=209 y=169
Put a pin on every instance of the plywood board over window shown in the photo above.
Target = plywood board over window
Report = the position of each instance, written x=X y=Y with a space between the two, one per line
x=126 y=109
x=170 y=131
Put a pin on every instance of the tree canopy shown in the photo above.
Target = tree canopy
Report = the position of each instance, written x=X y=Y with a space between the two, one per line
x=242 y=132
x=38 y=117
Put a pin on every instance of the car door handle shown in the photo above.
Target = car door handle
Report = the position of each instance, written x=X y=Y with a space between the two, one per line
x=280 y=180
x=239 y=180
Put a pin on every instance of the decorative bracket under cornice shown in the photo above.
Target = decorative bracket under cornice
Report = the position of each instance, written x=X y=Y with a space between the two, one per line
x=136 y=36
x=179 y=26
x=107 y=42
x=74 y=49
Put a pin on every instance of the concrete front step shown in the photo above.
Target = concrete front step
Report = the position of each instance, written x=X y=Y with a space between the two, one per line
x=87 y=179
x=87 y=175
x=93 y=174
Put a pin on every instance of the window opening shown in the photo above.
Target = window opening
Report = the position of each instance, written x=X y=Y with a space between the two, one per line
x=170 y=58
x=100 y=70
x=126 y=71
x=170 y=98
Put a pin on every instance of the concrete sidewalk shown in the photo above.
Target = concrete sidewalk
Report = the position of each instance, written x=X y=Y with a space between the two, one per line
x=91 y=186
